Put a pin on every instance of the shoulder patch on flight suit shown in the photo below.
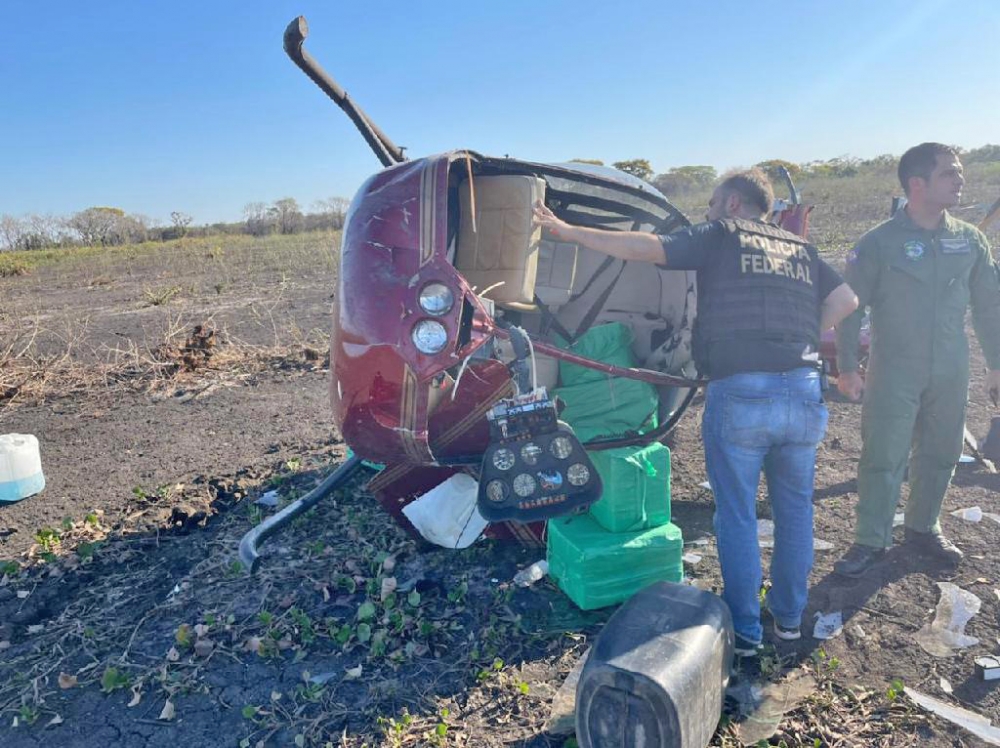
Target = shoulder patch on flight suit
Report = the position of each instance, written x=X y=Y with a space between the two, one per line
x=955 y=246
x=913 y=250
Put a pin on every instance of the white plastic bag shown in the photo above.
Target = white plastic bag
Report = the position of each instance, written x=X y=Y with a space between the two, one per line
x=447 y=514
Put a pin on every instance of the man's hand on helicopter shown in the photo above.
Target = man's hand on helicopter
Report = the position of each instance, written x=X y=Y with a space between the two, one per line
x=548 y=220
x=993 y=386
x=851 y=385
x=625 y=245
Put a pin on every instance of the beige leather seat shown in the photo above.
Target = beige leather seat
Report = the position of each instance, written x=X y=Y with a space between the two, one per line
x=556 y=272
x=499 y=245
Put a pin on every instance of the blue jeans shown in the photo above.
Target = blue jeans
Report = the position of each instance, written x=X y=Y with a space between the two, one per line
x=773 y=422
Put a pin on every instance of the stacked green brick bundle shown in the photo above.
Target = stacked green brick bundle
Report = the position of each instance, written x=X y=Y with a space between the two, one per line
x=597 y=404
x=626 y=541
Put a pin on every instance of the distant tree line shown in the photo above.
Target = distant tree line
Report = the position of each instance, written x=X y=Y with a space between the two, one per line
x=109 y=226
x=682 y=180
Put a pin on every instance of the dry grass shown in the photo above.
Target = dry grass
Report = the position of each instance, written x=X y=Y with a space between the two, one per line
x=195 y=359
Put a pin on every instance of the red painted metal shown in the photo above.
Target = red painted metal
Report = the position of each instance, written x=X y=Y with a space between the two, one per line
x=394 y=243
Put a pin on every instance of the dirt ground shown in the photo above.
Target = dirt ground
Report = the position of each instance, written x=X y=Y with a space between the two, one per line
x=125 y=619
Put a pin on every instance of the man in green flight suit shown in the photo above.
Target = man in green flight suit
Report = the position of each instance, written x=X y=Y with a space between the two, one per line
x=918 y=272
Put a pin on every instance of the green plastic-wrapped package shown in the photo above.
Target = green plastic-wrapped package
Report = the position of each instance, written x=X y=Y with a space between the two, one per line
x=609 y=343
x=596 y=568
x=636 y=488
x=597 y=404
x=608 y=407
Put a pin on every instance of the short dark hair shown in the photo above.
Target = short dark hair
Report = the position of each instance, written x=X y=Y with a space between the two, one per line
x=920 y=161
x=752 y=186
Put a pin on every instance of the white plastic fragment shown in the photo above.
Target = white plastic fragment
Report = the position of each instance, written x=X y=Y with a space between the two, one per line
x=691 y=558
x=945 y=685
x=269 y=499
x=972 y=514
x=947 y=631
x=705 y=484
x=765 y=533
x=531 y=574
x=322 y=678
x=765 y=537
x=766 y=705
x=897 y=519
x=828 y=625
x=966 y=458
x=978 y=725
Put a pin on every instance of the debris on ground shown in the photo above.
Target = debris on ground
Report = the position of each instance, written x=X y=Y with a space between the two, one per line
x=946 y=632
x=972 y=514
x=828 y=625
x=562 y=713
x=765 y=536
x=978 y=725
x=763 y=706
x=531 y=574
x=269 y=499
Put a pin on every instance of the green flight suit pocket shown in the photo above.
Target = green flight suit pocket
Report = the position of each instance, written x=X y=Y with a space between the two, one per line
x=908 y=273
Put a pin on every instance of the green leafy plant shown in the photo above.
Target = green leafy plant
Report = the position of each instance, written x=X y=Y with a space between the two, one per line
x=113 y=680
x=160 y=296
x=457 y=594
x=48 y=539
x=87 y=550
x=895 y=689
x=302 y=621
x=183 y=636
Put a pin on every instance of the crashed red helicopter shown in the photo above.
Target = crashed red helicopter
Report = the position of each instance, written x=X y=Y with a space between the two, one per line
x=452 y=315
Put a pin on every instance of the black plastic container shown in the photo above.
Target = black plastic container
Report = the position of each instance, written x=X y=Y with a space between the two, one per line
x=657 y=674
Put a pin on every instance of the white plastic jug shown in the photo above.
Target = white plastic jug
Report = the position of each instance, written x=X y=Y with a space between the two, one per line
x=20 y=467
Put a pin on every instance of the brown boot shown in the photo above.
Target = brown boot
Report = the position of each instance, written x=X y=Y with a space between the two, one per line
x=933 y=545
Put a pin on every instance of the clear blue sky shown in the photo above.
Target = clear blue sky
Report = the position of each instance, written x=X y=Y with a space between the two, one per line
x=193 y=106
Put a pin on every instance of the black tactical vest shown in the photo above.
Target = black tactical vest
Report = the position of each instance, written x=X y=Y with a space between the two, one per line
x=757 y=297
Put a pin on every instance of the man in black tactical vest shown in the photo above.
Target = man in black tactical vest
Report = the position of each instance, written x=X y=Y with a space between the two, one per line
x=764 y=295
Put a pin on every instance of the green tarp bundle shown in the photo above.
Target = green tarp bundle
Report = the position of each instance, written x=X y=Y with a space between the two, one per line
x=636 y=488
x=597 y=568
x=597 y=404
x=609 y=343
